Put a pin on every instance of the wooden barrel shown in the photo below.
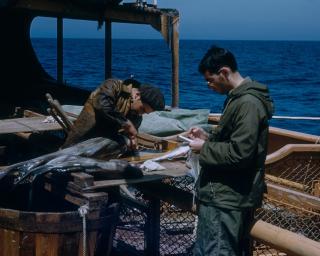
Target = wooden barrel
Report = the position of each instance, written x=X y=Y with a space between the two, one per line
x=55 y=233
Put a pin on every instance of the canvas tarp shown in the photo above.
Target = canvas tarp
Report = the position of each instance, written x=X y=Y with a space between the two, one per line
x=165 y=123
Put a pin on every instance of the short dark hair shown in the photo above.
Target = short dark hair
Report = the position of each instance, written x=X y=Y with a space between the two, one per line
x=152 y=96
x=133 y=82
x=215 y=59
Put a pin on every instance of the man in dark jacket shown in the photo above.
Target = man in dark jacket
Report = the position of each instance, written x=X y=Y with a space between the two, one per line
x=231 y=182
x=115 y=108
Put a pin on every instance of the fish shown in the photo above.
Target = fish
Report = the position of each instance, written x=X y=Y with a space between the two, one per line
x=65 y=160
x=70 y=163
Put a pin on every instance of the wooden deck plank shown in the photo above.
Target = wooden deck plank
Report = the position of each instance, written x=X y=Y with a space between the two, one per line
x=292 y=197
x=173 y=169
x=29 y=124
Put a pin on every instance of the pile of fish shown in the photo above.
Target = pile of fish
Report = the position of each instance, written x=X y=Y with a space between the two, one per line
x=83 y=156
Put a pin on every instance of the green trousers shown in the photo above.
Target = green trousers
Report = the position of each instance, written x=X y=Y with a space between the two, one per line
x=223 y=232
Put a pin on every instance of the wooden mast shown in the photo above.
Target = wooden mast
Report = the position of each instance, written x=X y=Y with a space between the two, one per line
x=60 y=50
x=175 y=61
x=108 y=48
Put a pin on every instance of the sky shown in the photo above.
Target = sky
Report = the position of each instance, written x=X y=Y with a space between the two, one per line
x=211 y=19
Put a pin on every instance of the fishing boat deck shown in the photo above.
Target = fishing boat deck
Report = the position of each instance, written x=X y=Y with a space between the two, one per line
x=161 y=213
x=160 y=217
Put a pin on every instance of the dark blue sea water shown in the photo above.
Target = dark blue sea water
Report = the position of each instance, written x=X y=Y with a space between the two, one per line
x=290 y=69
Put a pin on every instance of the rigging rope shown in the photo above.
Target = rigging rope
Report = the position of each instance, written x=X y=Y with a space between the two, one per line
x=83 y=211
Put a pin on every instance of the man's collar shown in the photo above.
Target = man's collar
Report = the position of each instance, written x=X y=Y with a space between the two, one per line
x=235 y=90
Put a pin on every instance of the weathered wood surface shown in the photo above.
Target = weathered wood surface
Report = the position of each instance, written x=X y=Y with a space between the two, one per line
x=57 y=119
x=29 y=124
x=286 y=241
x=292 y=197
x=285 y=182
x=173 y=169
x=278 y=138
x=121 y=13
x=55 y=234
x=295 y=166
x=159 y=143
x=30 y=113
x=290 y=149
x=58 y=113
x=171 y=194
x=316 y=190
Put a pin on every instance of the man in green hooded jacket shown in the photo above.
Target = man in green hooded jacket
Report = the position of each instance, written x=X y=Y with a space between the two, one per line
x=231 y=182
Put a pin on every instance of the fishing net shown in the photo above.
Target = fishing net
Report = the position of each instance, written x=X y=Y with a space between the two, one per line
x=298 y=174
x=177 y=226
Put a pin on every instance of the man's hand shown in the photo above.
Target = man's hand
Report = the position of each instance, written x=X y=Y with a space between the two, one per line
x=197 y=132
x=133 y=143
x=196 y=144
x=132 y=132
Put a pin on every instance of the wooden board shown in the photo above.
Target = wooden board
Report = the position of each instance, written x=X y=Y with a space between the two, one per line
x=292 y=197
x=173 y=169
x=30 y=124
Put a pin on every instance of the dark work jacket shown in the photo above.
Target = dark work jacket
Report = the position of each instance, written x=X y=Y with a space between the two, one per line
x=232 y=159
x=104 y=113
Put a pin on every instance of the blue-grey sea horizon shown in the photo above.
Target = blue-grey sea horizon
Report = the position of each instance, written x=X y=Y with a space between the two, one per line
x=289 y=68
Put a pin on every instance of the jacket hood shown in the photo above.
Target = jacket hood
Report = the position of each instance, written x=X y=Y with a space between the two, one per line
x=258 y=90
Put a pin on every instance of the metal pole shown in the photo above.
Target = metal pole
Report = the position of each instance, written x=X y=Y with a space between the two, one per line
x=60 y=50
x=152 y=232
x=108 y=49
x=175 y=62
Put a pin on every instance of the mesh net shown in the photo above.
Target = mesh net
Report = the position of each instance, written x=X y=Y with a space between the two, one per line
x=291 y=218
x=177 y=227
x=298 y=171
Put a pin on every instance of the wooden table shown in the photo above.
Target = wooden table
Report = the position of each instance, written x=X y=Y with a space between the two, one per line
x=27 y=124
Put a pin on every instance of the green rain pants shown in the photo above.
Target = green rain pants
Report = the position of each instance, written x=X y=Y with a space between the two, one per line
x=223 y=232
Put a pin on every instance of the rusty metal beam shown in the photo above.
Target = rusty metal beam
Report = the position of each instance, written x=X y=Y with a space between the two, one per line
x=160 y=19
x=68 y=10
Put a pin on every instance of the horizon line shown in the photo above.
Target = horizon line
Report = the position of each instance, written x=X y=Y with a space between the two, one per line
x=186 y=39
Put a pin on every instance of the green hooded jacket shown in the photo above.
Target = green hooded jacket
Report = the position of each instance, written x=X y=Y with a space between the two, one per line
x=232 y=159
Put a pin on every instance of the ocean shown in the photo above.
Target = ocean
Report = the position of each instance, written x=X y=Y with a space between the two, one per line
x=291 y=69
